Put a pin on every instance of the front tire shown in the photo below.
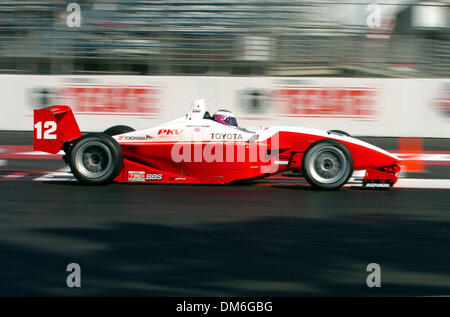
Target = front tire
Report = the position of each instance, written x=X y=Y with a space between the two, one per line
x=96 y=159
x=327 y=164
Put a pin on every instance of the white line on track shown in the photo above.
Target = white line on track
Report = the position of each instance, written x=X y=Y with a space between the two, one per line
x=423 y=183
x=56 y=176
x=13 y=176
x=429 y=157
x=32 y=153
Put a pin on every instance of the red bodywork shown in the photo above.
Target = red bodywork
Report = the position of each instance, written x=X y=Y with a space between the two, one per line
x=152 y=161
x=155 y=159
x=57 y=126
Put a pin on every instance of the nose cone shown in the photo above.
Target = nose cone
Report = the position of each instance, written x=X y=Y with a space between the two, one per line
x=381 y=159
x=366 y=155
x=391 y=159
x=397 y=159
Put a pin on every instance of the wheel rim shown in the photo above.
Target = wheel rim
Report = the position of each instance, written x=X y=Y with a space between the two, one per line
x=93 y=159
x=327 y=164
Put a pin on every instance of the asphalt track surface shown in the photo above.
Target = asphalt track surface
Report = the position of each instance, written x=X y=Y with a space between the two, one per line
x=271 y=239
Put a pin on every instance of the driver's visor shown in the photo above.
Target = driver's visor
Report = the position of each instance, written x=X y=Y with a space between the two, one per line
x=231 y=121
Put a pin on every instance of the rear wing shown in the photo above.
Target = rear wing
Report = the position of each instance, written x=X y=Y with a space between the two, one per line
x=54 y=126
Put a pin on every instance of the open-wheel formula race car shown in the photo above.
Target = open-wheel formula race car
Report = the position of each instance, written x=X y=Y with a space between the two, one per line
x=202 y=149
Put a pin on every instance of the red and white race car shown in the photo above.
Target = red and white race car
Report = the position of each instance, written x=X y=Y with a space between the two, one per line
x=199 y=149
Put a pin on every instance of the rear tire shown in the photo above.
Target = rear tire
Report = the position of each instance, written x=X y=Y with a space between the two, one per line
x=327 y=164
x=118 y=129
x=339 y=132
x=96 y=159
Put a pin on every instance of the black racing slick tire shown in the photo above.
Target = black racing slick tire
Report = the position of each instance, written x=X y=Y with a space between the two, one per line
x=327 y=164
x=118 y=129
x=96 y=159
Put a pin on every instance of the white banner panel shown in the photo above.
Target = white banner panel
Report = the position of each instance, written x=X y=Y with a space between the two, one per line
x=360 y=106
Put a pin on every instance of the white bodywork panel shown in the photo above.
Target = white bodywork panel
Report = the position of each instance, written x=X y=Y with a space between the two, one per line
x=194 y=128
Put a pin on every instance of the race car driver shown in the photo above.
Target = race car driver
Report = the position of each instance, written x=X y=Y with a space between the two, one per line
x=225 y=117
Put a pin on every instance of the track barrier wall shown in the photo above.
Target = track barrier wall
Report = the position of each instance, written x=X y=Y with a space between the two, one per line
x=359 y=106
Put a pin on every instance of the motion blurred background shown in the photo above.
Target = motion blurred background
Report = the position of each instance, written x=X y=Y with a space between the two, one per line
x=388 y=38
x=368 y=68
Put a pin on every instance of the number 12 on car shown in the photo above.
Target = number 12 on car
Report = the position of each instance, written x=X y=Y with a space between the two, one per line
x=49 y=130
